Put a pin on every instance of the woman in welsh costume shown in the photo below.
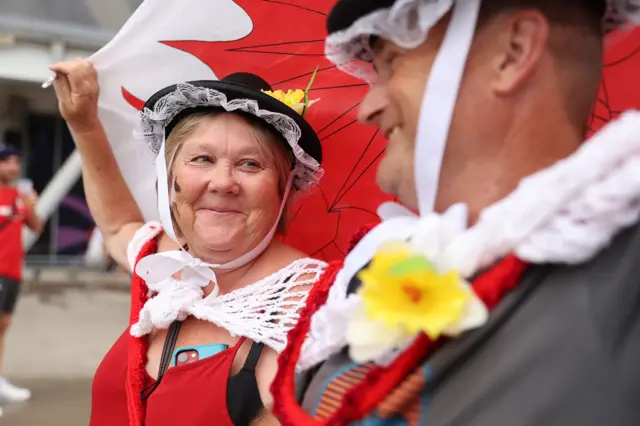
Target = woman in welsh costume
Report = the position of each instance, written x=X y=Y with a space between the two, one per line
x=214 y=292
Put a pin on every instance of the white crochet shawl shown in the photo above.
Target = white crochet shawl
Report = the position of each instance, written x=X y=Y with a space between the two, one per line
x=264 y=311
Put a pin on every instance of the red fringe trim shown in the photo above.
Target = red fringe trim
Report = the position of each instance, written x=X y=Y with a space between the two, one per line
x=491 y=287
x=283 y=387
x=137 y=354
x=358 y=235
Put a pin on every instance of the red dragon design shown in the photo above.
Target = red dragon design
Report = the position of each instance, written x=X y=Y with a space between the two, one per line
x=284 y=47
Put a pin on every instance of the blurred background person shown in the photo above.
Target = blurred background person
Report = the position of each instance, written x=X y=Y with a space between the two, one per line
x=16 y=210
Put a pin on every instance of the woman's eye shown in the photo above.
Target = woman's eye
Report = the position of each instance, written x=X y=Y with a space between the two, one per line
x=201 y=159
x=250 y=164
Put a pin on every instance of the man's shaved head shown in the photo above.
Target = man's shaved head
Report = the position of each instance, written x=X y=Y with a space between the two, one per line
x=575 y=40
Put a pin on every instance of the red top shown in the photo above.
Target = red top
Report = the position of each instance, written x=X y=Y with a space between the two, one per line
x=13 y=214
x=109 y=396
x=191 y=394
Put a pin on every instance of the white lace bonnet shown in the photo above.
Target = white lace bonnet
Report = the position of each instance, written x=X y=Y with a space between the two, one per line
x=240 y=92
x=407 y=24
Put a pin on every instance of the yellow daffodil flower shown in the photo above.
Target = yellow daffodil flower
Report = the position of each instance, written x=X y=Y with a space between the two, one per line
x=290 y=98
x=298 y=99
x=371 y=339
x=403 y=289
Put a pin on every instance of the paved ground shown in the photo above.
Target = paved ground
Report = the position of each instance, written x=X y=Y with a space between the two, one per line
x=55 y=403
x=59 y=336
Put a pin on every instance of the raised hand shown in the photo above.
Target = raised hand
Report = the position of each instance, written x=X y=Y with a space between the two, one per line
x=77 y=89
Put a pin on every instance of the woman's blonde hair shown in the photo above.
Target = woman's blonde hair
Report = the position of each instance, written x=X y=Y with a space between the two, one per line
x=271 y=143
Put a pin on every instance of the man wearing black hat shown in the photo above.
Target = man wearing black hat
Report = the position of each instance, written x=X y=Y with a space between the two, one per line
x=513 y=297
x=16 y=210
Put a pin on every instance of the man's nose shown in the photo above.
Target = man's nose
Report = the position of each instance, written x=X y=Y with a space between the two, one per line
x=373 y=104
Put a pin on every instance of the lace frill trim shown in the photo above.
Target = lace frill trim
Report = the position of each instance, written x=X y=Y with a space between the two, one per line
x=407 y=24
x=307 y=171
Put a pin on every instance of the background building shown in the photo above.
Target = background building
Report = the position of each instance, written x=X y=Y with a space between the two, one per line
x=33 y=35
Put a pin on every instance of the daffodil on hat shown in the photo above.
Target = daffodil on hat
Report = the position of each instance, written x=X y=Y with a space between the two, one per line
x=298 y=99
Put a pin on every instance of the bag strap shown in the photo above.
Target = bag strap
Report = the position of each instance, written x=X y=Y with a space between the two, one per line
x=165 y=360
x=254 y=356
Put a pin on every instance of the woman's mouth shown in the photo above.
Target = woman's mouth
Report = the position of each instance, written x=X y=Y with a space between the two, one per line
x=219 y=211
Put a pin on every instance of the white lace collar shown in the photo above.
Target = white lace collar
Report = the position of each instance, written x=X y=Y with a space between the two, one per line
x=264 y=311
x=564 y=214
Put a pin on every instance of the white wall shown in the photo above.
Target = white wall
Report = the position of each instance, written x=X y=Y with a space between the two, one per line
x=29 y=62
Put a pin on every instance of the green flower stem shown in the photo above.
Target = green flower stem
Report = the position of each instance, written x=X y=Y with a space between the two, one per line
x=306 y=91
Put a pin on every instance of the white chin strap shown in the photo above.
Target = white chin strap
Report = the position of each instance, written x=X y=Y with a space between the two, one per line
x=436 y=112
x=439 y=101
x=161 y=266
x=164 y=206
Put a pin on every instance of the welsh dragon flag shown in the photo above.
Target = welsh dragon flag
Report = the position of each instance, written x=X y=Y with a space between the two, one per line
x=170 y=41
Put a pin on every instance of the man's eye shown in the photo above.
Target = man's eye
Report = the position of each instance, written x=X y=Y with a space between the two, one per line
x=392 y=59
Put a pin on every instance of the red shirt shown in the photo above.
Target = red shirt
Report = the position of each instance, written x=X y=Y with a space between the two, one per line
x=192 y=394
x=13 y=215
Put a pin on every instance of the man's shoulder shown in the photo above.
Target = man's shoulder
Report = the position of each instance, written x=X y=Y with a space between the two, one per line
x=609 y=283
x=571 y=335
x=593 y=305
x=617 y=265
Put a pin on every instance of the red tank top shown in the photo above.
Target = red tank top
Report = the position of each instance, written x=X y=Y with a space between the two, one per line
x=190 y=394
x=193 y=394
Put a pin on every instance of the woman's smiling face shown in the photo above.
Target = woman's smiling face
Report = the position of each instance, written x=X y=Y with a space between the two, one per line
x=226 y=185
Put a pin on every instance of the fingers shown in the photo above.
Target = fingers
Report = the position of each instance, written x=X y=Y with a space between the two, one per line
x=81 y=76
x=62 y=89
x=68 y=67
x=61 y=68
x=76 y=86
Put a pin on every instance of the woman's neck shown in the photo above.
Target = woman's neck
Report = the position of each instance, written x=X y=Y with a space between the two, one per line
x=230 y=280
x=242 y=276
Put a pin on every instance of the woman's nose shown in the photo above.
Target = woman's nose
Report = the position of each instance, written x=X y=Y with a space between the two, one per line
x=222 y=180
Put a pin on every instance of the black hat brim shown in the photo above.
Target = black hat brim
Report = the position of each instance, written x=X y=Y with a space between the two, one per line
x=309 y=140
x=345 y=12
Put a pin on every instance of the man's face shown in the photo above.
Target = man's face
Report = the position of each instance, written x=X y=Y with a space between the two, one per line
x=394 y=101
x=508 y=78
x=10 y=168
x=393 y=104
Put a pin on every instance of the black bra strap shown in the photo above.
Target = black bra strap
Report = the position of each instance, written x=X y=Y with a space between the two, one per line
x=253 y=357
x=165 y=359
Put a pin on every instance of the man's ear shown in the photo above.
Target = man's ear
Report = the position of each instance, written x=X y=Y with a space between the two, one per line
x=523 y=40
